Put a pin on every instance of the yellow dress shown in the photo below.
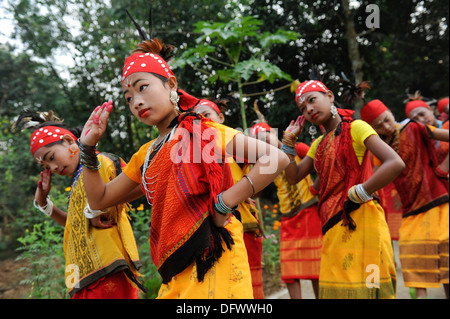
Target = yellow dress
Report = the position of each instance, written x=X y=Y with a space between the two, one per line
x=358 y=264
x=230 y=276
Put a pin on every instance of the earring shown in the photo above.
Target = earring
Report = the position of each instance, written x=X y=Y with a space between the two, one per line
x=334 y=111
x=312 y=131
x=73 y=149
x=174 y=98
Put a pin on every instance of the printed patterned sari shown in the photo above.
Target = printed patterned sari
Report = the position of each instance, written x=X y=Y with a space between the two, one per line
x=357 y=255
x=92 y=253
x=300 y=234
x=424 y=233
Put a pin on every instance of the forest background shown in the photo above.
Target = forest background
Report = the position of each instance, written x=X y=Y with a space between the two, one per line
x=67 y=56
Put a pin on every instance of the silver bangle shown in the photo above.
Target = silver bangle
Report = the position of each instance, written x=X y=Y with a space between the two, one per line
x=47 y=209
x=288 y=150
x=251 y=183
x=222 y=208
x=362 y=193
x=90 y=213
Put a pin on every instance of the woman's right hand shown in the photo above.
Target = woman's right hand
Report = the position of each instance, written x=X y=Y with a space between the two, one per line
x=95 y=126
x=43 y=187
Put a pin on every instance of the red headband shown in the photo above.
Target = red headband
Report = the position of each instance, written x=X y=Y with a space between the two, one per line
x=153 y=63
x=309 y=86
x=47 y=135
x=210 y=104
x=145 y=62
x=372 y=110
x=260 y=127
x=301 y=149
x=442 y=104
x=413 y=105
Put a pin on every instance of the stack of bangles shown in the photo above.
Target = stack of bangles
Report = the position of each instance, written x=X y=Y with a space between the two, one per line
x=222 y=208
x=88 y=156
x=358 y=194
x=47 y=209
x=289 y=140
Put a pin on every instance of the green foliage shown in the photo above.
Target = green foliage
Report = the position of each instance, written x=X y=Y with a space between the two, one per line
x=235 y=52
x=42 y=248
x=271 y=242
x=151 y=279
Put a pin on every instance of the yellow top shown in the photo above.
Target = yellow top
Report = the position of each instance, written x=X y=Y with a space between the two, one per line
x=360 y=131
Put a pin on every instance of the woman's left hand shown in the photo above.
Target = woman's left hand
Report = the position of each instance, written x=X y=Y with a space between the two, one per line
x=98 y=222
x=296 y=127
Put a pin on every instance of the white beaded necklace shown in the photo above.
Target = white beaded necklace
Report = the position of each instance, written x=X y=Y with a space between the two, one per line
x=147 y=163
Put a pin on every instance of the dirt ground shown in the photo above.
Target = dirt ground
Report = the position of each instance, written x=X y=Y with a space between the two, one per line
x=270 y=285
x=10 y=278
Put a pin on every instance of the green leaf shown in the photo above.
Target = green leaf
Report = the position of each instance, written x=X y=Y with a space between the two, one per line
x=263 y=69
x=268 y=39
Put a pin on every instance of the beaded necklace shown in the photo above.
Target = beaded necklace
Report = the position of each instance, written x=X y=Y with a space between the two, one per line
x=150 y=158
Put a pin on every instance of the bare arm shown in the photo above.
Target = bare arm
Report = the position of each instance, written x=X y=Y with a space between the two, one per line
x=121 y=189
x=441 y=134
x=100 y=195
x=42 y=190
x=269 y=162
x=295 y=173
x=391 y=166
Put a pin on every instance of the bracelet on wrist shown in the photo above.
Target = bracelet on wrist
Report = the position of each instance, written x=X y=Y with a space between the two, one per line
x=288 y=149
x=251 y=183
x=88 y=156
x=358 y=194
x=90 y=213
x=47 y=209
x=222 y=208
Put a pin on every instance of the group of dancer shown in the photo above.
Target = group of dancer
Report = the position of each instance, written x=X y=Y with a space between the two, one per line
x=201 y=178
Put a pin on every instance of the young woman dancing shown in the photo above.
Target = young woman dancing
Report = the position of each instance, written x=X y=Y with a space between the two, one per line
x=102 y=259
x=357 y=257
x=196 y=241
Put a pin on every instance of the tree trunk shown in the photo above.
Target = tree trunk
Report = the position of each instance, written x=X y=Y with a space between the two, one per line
x=353 y=48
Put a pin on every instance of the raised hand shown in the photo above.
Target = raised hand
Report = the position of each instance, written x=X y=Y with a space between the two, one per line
x=95 y=126
x=296 y=127
x=43 y=187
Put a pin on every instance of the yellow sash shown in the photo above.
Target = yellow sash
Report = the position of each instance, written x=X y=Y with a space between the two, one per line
x=92 y=253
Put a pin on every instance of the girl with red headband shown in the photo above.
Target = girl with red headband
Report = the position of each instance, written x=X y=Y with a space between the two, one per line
x=196 y=241
x=423 y=190
x=300 y=234
x=418 y=110
x=357 y=257
x=102 y=262
x=247 y=209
